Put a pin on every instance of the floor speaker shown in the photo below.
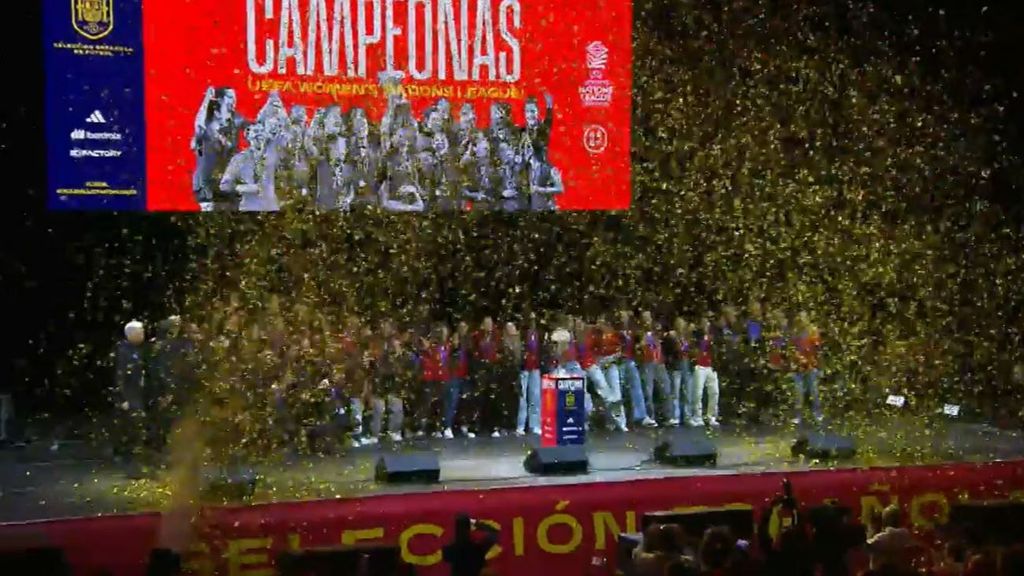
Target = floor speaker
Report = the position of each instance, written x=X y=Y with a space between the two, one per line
x=687 y=448
x=415 y=467
x=824 y=446
x=557 y=460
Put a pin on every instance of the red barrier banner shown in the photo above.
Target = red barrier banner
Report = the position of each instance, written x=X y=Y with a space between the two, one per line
x=544 y=529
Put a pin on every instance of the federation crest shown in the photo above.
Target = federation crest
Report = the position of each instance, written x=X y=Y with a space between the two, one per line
x=93 y=19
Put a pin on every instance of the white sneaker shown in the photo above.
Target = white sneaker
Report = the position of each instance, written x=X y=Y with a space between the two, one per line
x=438 y=434
x=623 y=428
x=420 y=434
x=395 y=436
x=355 y=443
x=695 y=423
x=535 y=431
x=796 y=420
x=470 y=434
x=520 y=432
x=448 y=434
x=465 y=430
x=369 y=441
x=496 y=434
x=713 y=423
x=672 y=422
x=649 y=423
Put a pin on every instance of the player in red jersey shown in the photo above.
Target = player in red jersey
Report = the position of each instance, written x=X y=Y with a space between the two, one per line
x=806 y=345
x=705 y=376
x=677 y=357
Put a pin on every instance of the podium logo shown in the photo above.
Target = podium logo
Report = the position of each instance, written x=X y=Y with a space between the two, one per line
x=78 y=134
x=570 y=384
x=96 y=118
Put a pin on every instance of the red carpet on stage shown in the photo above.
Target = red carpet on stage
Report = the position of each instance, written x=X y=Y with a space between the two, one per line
x=544 y=529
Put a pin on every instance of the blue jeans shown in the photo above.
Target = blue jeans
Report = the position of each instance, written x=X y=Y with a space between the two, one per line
x=655 y=371
x=806 y=384
x=452 y=392
x=631 y=375
x=682 y=383
x=529 y=400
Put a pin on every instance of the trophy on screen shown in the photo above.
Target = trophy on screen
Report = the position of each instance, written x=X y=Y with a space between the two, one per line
x=391 y=84
x=391 y=81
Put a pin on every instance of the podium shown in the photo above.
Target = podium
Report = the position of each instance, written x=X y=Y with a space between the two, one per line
x=563 y=430
x=563 y=413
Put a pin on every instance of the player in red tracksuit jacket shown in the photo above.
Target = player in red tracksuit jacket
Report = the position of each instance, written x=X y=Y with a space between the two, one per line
x=434 y=376
x=629 y=373
x=458 y=383
x=487 y=370
x=529 y=381
x=589 y=342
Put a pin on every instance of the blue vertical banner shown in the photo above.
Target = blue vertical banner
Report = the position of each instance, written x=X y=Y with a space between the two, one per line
x=563 y=411
x=95 y=107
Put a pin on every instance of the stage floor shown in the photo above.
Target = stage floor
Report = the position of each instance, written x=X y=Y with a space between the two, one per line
x=77 y=481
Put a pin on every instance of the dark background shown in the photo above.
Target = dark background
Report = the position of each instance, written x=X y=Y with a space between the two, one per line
x=72 y=279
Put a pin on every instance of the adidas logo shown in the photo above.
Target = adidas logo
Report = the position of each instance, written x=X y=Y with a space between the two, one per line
x=96 y=118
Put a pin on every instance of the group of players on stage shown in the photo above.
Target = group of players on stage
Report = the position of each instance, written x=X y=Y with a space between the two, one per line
x=340 y=160
x=487 y=381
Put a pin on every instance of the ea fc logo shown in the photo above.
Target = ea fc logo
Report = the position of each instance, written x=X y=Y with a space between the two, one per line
x=93 y=19
x=595 y=139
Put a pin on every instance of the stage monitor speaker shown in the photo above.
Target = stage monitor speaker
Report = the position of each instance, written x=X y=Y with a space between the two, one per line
x=739 y=520
x=414 y=467
x=371 y=560
x=989 y=523
x=687 y=448
x=824 y=446
x=557 y=460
